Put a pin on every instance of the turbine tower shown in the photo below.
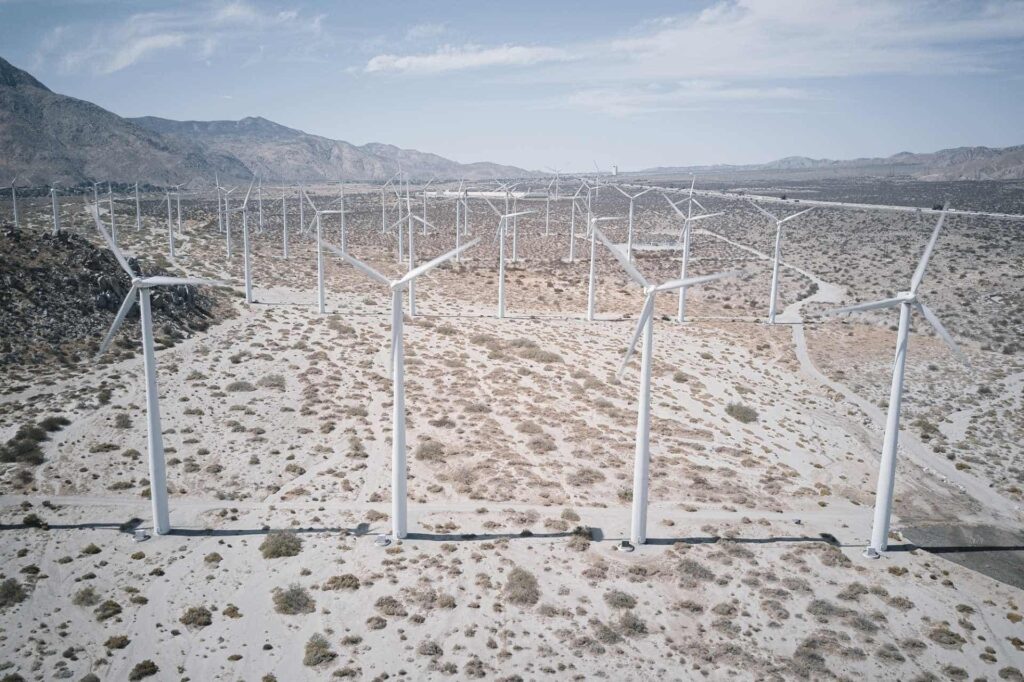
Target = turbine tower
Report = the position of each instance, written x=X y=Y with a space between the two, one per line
x=399 y=497
x=14 y=201
x=321 y=295
x=772 y=302
x=143 y=286
x=907 y=301
x=500 y=236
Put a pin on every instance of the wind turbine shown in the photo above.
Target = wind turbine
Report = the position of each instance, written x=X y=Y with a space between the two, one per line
x=138 y=209
x=227 y=219
x=142 y=286
x=177 y=194
x=170 y=227
x=629 y=234
x=399 y=497
x=778 y=255
x=591 y=290
x=500 y=236
x=572 y=224
x=55 y=203
x=110 y=206
x=688 y=220
x=321 y=296
x=645 y=328
x=259 y=199
x=907 y=302
x=14 y=201
x=284 y=223
x=424 y=221
x=246 y=269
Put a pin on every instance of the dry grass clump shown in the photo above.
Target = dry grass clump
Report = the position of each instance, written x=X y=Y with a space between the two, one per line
x=521 y=587
x=146 y=668
x=429 y=647
x=741 y=413
x=280 y=544
x=197 y=617
x=86 y=596
x=107 y=609
x=430 y=451
x=390 y=606
x=346 y=581
x=275 y=381
x=318 y=651
x=691 y=573
x=293 y=600
x=11 y=593
x=617 y=599
x=239 y=387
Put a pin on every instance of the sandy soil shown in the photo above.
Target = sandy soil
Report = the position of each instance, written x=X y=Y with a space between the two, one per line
x=521 y=447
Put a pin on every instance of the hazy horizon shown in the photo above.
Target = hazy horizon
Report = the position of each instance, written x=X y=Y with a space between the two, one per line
x=716 y=82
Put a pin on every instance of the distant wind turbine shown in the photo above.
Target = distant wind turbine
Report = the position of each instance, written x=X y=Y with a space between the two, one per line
x=399 y=475
x=629 y=234
x=14 y=201
x=772 y=302
x=688 y=220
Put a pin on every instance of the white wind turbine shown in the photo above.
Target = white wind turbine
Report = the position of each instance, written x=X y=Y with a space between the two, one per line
x=138 y=209
x=688 y=220
x=503 y=219
x=227 y=219
x=591 y=289
x=284 y=224
x=321 y=295
x=772 y=302
x=907 y=302
x=246 y=264
x=572 y=223
x=645 y=328
x=170 y=227
x=425 y=219
x=399 y=497
x=629 y=234
x=110 y=207
x=177 y=194
x=14 y=201
x=142 y=286
x=55 y=205
x=259 y=200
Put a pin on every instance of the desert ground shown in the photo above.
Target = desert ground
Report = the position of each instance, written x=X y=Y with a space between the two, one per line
x=277 y=429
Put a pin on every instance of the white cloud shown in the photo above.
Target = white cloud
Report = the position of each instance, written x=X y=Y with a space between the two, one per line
x=687 y=95
x=452 y=58
x=131 y=52
x=197 y=33
x=425 y=31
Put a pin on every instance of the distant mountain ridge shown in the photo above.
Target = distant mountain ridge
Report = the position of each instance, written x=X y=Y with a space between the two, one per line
x=960 y=163
x=52 y=138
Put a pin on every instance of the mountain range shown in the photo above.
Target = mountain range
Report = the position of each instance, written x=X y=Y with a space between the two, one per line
x=960 y=163
x=47 y=138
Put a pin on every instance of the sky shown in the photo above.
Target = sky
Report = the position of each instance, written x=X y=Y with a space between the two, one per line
x=553 y=85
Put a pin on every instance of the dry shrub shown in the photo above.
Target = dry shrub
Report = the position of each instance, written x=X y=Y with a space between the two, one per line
x=521 y=587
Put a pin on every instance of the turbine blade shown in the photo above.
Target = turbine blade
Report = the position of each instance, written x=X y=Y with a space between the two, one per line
x=764 y=211
x=702 y=216
x=693 y=281
x=699 y=205
x=919 y=273
x=162 y=281
x=430 y=265
x=796 y=215
x=246 y=202
x=874 y=305
x=493 y=207
x=674 y=207
x=649 y=189
x=513 y=215
x=933 y=320
x=358 y=265
x=630 y=269
x=416 y=217
x=94 y=210
x=309 y=200
x=622 y=191
x=122 y=313
x=645 y=314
